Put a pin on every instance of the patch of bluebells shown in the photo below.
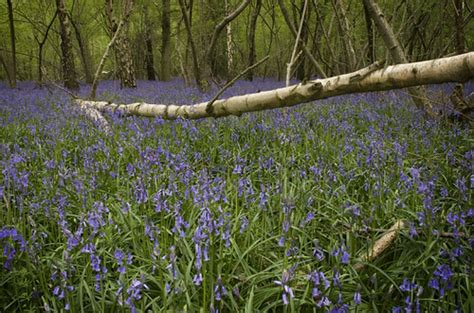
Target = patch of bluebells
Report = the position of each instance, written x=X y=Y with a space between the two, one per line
x=168 y=192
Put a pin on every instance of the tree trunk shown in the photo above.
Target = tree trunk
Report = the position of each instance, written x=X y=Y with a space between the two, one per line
x=370 y=36
x=229 y=43
x=292 y=28
x=343 y=24
x=165 y=41
x=187 y=24
x=40 y=50
x=301 y=73
x=13 y=46
x=252 y=28
x=395 y=49
x=458 y=68
x=123 y=53
x=211 y=50
x=150 y=67
x=86 y=57
x=459 y=25
x=67 y=58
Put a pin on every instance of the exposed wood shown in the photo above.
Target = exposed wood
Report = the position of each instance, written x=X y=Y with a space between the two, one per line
x=458 y=68
x=381 y=244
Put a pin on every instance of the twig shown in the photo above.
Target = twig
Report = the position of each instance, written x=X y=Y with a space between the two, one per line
x=102 y=61
x=209 y=107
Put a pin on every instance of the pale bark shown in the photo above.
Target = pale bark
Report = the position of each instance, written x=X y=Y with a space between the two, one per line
x=381 y=244
x=126 y=70
x=396 y=51
x=373 y=78
x=229 y=43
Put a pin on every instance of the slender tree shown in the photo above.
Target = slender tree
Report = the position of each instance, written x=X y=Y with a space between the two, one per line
x=251 y=30
x=11 y=23
x=459 y=25
x=370 y=36
x=395 y=49
x=165 y=41
x=84 y=51
x=187 y=23
x=67 y=58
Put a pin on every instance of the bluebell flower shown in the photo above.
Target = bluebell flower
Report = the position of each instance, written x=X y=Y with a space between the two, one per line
x=287 y=291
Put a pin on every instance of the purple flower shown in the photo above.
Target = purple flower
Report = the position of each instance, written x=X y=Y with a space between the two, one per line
x=407 y=286
x=287 y=291
x=219 y=290
x=244 y=223
x=357 y=298
x=444 y=272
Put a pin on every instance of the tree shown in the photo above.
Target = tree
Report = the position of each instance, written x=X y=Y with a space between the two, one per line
x=251 y=30
x=395 y=49
x=11 y=24
x=458 y=68
x=165 y=41
x=123 y=53
x=67 y=58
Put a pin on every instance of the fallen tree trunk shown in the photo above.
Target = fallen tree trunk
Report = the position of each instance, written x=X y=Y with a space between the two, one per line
x=458 y=68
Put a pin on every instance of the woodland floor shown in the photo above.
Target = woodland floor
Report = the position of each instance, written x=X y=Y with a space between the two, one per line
x=268 y=212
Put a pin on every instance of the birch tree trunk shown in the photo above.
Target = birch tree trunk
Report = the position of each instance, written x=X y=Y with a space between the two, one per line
x=458 y=68
x=67 y=58
x=123 y=53
x=396 y=51
x=11 y=24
